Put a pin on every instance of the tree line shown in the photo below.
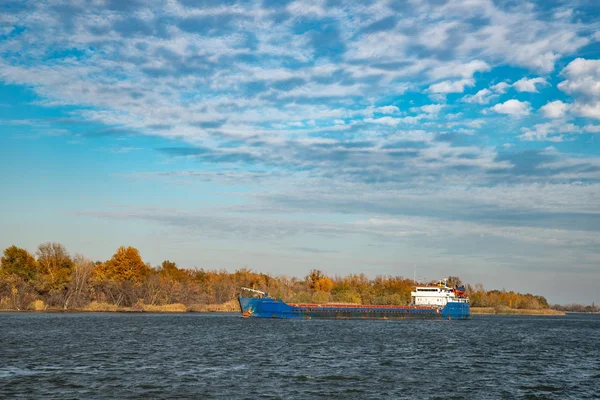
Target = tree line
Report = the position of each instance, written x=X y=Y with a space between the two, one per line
x=582 y=308
x=53 y=278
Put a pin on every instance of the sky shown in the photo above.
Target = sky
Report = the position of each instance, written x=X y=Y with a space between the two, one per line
x=412 y=138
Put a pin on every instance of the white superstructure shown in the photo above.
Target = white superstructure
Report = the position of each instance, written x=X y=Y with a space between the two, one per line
x=439 y=295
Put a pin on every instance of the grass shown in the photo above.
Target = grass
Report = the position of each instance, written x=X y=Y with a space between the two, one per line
x=96 y=306
x=100 y=306
x=230 y=306
x=166 y=308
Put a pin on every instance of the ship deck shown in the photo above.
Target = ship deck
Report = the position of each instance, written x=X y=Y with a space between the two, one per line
x=350 y=306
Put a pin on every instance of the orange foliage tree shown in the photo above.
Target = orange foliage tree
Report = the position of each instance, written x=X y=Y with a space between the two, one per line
x=125 y=265
x=125 y=280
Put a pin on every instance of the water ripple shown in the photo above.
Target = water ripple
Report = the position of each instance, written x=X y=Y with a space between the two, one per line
x=107 y=356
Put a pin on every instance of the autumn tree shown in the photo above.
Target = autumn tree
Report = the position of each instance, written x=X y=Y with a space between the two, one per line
x=454 y=281
x=169 y=285
x=119 y=280
x=169 y=269
x=18 y=262
x=314 y=276
x=318 y=281
x=125 y=265
x=56 y=265
x=19 y=273
x=125 y=281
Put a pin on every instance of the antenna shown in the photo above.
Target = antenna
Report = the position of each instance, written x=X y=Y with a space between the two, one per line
x=415 y=274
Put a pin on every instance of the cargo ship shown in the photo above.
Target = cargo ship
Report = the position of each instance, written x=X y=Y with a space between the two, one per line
x=428 y=302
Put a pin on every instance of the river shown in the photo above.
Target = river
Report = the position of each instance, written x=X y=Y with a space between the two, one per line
x=191 y=356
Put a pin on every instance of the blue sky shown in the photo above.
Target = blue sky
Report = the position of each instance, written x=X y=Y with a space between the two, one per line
x=454 y=137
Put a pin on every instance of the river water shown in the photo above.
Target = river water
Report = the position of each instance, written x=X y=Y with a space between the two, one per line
x=141 y=356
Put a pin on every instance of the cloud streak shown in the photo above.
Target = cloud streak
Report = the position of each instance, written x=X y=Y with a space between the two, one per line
x=418 y=123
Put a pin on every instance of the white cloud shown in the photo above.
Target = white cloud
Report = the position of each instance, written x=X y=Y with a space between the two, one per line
x=513 y=107
x=587 y=109
x=541 y=132
x=564 y=14
x=387 y=110
x=475 y=123
x=451 y=86
x=501 y=87
x=529 y=85
x=569 y=128
x=484 y=96
x=582 y=77
x=592 y=128
x=390 y=121
x=432 y=108
x=582 y=81
x=555 y=109
x=307 y=8
x=384 y=45
x=553 y=131
x=324 y=91
x=263 y=89
x=456 y=69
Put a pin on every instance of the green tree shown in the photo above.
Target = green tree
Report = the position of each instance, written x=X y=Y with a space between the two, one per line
x=17 y=261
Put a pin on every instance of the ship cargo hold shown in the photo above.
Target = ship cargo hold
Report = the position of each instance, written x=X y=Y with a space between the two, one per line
x=428 y=302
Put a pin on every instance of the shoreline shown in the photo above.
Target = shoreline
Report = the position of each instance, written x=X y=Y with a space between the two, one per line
x=231 y=308
x=96 y=307
x=515 y=311
x=120 y=311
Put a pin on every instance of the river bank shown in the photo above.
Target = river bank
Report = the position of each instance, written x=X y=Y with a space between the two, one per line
x=231 y=306
x=514 y=311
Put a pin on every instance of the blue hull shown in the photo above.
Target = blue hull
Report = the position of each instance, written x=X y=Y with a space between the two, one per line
x=272 y=308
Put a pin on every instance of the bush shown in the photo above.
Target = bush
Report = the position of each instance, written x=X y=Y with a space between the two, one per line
x=392 y=299
x=38 y=305
x=302 y=297
x=347 y=296
x=320 y=297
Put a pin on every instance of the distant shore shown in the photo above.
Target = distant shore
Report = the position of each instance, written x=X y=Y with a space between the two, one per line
x=514 y=311
x=233 y=307
x=229 y=307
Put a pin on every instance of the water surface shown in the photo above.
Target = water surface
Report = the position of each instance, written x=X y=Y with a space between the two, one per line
x=140 y=356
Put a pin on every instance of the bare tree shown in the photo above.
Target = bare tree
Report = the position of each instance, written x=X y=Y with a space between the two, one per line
x=56 y=265
x=78 y=288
